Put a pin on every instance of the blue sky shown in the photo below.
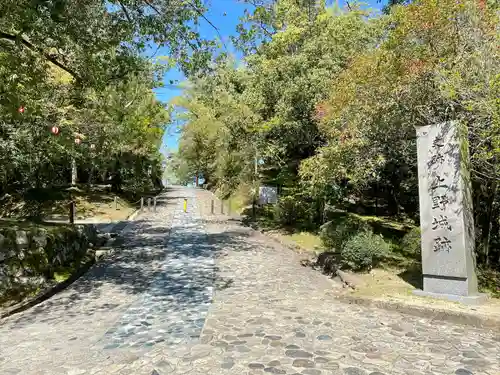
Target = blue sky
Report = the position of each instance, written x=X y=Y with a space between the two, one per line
x=227 y=26
x=225 y=15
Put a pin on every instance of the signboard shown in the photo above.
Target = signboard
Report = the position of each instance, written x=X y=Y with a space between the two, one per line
x=268 y=195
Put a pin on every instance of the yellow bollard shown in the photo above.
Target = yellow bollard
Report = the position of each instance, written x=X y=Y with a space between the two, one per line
x=185 y=205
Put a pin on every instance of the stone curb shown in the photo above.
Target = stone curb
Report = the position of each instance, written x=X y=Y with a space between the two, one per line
x=463 y=318
x=49 y=292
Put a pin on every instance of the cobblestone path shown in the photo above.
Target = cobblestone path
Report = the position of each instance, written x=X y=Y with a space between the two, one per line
x=191 y=293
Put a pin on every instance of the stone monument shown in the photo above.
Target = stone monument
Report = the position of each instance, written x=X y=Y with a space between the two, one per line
x=446 y=218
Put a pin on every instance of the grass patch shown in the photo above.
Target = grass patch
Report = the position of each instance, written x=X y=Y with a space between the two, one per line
x=397 y=285
x=386 y=282
x=63 y=275
x=307 y=240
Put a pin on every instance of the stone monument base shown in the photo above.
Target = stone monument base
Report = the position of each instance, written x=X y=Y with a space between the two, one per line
x=477 y=299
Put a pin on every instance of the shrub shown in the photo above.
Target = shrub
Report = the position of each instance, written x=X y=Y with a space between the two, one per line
x=362 y=251
x=292 y=211
x=411 y=243
x=334 y=234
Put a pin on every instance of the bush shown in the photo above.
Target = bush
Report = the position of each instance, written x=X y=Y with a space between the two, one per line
x=334 y=234
x=411 y=243
x=363 y=251
x=292 y=211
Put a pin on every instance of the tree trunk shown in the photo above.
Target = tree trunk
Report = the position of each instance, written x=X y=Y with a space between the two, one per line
x=116 y=179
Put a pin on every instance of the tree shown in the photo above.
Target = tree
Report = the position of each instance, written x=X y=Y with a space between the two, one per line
x=81 y=66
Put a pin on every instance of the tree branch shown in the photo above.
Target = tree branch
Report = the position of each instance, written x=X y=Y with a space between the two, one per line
x=127 y=15
x=153 y=7
x=154 y=54
x=193 y=47
x=267 y=32
x=39 y=50
x=200 y=13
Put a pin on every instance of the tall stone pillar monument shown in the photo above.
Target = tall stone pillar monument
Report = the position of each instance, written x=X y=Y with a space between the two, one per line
x=446 y=218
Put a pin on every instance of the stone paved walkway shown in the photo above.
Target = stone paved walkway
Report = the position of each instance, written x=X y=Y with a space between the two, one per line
x=195 y=294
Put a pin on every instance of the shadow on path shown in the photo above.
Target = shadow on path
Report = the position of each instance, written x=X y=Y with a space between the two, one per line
x=138 y=265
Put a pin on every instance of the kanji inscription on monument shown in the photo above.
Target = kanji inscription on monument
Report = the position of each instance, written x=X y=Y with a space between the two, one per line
x=447 y=226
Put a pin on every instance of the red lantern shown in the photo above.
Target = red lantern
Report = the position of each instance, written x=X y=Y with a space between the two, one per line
x=78 y=141
x=55 y=130
x=21 y=109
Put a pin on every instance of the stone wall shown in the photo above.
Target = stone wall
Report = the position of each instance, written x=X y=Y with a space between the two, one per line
x=30 y=257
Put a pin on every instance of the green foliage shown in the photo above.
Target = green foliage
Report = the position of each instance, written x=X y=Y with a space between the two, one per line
x=291 y=211
x=266 y=110
x=411 y=243
x=416 y=76
x=489 y=281
x=363 y=251
x=335 y=233
x=82 y=66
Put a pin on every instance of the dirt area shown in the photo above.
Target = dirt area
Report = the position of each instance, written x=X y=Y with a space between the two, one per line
x=91 y=203
x=389 y=285
x=102 y=208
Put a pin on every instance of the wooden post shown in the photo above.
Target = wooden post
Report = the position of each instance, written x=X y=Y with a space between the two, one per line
x=222 y=207
x=149 y=204
x=229 y=207
x=72 y=211
x=212 y=207
x=116 y=203
x=142 y=203
x=154 y=204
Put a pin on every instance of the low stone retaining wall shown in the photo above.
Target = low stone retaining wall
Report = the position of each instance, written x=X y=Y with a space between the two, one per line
x=30 y=257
